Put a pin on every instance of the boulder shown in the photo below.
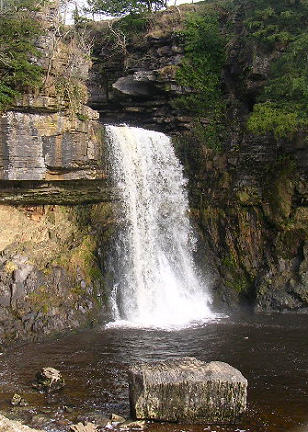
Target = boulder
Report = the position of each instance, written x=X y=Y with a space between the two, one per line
x=187 y=390
x=49 y=380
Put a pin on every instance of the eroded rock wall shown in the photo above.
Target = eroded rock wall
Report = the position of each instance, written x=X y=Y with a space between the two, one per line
x=50 y=146
x=52 y=275
x=135 y=81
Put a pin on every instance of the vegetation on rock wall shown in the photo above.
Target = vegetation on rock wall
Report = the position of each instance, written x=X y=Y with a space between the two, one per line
x=281 y=26
x=19 y=29
x=54 y=255
x=200 y=74
x=279 y=30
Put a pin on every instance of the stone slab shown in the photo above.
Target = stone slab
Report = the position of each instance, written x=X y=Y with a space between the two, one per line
x=187 y=390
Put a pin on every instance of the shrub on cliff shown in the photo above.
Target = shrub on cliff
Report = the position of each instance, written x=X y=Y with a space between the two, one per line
x=19 y=30
x=281 y=26
x=200 y=75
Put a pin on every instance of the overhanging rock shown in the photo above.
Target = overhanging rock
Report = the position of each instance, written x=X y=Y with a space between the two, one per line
x=187 y=390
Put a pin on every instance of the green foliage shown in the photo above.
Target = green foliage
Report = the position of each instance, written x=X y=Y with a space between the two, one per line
x=18 y=32
x=201 y=67
x=82 y=117
x=200 y=76
x=210 y=134
x=273 y=22
x=239 y=284
x=236 y=278
x=282 y=108
x=133 y=23
x=123 y=7
x=271 y=117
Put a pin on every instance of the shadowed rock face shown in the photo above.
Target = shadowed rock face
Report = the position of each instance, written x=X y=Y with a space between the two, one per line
x=51 y=268
x=187 y=390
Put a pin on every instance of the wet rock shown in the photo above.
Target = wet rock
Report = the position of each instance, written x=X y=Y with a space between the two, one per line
x=96 y=418
x=187 y=390
x=135 y=85
x=7 y=425
x=137 y=424
x=49 y=380
x=83 y=427
x=17 y=400
x=67 y=409
x=40 y=420
x=117 y=419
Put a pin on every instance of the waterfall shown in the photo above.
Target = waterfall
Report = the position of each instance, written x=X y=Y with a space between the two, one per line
x=156 y=283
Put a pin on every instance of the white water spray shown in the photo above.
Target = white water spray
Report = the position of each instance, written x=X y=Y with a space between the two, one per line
x=156 y=281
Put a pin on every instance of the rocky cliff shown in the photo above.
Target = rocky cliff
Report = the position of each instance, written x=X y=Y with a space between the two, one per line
x=51 y=272
x=53 y=135
x=249 y=197
x=52 y=236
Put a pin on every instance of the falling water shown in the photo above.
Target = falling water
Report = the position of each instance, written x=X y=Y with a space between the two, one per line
x=156 y=284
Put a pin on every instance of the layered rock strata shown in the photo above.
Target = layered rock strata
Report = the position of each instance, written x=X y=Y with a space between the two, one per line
x=53 y=135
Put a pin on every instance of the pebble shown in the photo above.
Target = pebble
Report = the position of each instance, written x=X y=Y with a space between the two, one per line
x=17 y=400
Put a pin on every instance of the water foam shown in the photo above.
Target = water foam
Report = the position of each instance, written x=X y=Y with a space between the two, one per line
x=156 y=283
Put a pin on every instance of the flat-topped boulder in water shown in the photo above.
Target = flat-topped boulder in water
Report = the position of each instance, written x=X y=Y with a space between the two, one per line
x=187 y=390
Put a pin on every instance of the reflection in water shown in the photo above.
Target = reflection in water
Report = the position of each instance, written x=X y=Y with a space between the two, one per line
x=271 y=352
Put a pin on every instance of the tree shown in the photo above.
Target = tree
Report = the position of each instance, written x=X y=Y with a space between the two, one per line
x=122 y=7
x=19 y=29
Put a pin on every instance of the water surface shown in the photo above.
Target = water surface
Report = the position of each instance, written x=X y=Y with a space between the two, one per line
x=271 y=352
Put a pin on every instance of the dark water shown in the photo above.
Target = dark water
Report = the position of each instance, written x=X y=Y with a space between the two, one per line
x=271 y=352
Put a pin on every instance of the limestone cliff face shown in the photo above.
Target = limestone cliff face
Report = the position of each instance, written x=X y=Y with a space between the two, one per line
x=250 y=199
x=50 y=145
x=53 y=238
x=53 y=135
